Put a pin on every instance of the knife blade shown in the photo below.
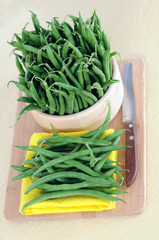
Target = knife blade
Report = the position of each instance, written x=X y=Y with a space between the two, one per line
x=129 y=118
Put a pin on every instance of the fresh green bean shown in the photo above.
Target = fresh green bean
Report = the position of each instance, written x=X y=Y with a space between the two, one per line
x=35 y=95
x=80 y=105
x=79 y=175
x=65 y=50
x=51 y=99
x=21 y=87
x=70 y=103
x=62 y=194
x=99 y=88
x=106 y=58
x=70 y=139
x=68 y=34
x=100 y=73
x=44 y=160
x=35 y=22
x=75 y=107
x=71 y=156
x=19 y=66
x=55 y=32
x=52 y=58
x=26 y=100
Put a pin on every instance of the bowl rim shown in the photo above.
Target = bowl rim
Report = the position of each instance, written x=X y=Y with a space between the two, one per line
x=89 y=109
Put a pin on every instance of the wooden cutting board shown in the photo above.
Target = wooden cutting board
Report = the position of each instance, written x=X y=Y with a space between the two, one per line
x=136 y=197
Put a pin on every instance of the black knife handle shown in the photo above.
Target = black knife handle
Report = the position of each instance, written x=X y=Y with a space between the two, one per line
x=131 y=153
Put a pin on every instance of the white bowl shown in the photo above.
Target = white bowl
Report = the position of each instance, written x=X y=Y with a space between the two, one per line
x=90 y=118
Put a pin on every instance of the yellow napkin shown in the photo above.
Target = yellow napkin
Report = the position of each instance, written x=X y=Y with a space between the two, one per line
x=69 y=204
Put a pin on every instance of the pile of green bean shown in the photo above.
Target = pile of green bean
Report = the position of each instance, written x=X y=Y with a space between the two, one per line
x=65 y=68
x=71 y=166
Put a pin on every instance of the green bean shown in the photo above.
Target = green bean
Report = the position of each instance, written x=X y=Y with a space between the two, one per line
x=64 y=78
x=106 y=58
x=30 y=69
x=80 y=21
x=21 y=79
x=55 y=32
x=57 y=104
x=94 y=76
x=110 y=68
x=78 y=91
x=86 y=78
x=39 y=57
x=80 y=75
x=112 y=191
x=101 y=163
x=101 y=49
x=35 y=95
x=72 y=78
x=52 y=57
x=70 y=103
x=42 y=39
x=77 y=51
x=99 y=89
x=51 y=99
x=75 y=107
x=92 y=157
x=68 y=25
x=75 y=65
x=71 y=156
x=39 y=150
x=68 y=34
x=74 y=18
x=104 y=126
x=21 y=88
x=97 y=63
x=105 y=41
x=64 y=187
x=70 y=139
x=59 y=59
x=86 y=100
x=44 y=160
x=17 y=45
x=19 y=66
x=108 y=83
x=55 y=145
x=70 y=174
x=24 y=174
x=113 y=136
x=82 y=43
x=109 y=173
x=38 y=69
x=35 y=38
x=91 y=39
x=79 y=102
x=65 y=50
x=26 y=109
x=18 y=38
x=35 y=22
x=26 y=100
x=20 y=168
x=78 y=192
x=62 y=105
x=100 y=73
x=82 y=167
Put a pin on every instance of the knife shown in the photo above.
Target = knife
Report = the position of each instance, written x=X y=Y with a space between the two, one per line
x=128 y=111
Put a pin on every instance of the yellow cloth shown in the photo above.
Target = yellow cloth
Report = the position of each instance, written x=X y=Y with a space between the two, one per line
x=69 y=204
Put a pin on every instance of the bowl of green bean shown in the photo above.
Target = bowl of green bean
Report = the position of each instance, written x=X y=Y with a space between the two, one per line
x=68 y=73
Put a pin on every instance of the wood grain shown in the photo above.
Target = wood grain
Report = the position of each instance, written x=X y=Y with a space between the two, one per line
x=136 y=197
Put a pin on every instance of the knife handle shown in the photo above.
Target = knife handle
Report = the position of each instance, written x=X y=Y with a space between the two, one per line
x=131 y=153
